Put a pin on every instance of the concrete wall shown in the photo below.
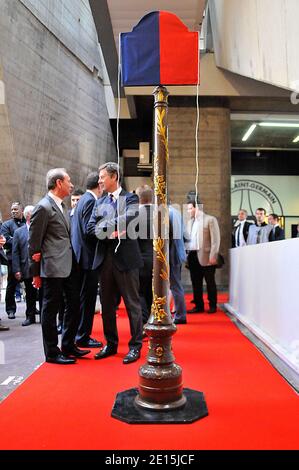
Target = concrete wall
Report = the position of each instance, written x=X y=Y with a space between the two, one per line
x=214 y=166
x=55 y=112
x=258 y=39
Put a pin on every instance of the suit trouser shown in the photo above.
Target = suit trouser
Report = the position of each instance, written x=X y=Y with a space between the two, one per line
x=145 y=288
x=177 y=291
x=198 y=273
x=88 y=295
x=10 y=302
x=31 y=298
x=125 y=283
x=53 y=290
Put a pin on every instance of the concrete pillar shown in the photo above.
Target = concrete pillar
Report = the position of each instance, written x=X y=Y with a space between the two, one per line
x=214 y=165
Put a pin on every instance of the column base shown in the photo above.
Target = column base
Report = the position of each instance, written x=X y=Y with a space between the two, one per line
x=125 y=409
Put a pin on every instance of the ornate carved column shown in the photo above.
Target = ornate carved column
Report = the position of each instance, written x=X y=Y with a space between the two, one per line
x=160 y=379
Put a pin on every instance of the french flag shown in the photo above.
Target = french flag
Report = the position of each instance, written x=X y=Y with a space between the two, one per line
x=160 y=50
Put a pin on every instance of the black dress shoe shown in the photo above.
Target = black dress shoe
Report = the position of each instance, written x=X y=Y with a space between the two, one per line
x=178 y=321
x=212 y=310
x=28 y=321
x=11 y=316
x=4 y=328
x=89 y=343
x=132 y=356
x=195 y=310
x=76 y=352
x=60 y=359
x=108 y=350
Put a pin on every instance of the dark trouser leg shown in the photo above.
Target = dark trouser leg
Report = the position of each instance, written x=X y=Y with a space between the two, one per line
x=52 y=292
x=88 y=297
x=196 y=273
x=209 y=273
x=31 y=294
x=10 y=302
x=145 y=289
x=177 y=290
x=110 y=299
x=128 y=284
x=71 y=318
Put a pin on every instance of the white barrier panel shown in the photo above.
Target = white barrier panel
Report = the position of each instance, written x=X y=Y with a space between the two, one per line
x=264 y=294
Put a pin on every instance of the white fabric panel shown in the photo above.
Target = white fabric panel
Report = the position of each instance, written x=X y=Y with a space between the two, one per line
x=264 y=294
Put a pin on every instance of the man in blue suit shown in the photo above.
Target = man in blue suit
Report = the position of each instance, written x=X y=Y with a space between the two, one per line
x=177 y=256
x=118 y=260
x=84 y=249
x=20 y=266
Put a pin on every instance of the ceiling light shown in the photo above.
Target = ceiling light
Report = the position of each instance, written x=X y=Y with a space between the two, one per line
x=249 y=132
x=279 y=124
x=296 y=139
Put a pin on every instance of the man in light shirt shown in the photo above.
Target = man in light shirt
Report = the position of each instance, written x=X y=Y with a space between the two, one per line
x=241 y=229
x=203 y=247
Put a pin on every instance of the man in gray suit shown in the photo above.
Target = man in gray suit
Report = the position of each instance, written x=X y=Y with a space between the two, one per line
x=55 y=269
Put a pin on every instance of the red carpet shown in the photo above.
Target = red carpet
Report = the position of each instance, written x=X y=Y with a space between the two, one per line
x=68 y=407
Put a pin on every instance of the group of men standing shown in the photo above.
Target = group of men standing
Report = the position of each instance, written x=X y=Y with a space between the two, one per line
x=69 y=253
x=251 y=233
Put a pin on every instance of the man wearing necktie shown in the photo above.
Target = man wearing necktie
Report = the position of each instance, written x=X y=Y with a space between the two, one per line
x=240 y=231
x=53 y=267
x=118 y=259
x=277 y=233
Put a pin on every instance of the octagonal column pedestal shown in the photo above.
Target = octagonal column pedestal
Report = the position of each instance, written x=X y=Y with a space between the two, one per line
x=160 y=397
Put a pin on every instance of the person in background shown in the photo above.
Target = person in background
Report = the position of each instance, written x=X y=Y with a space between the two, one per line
x=260 y=231
x=277 y=233
x=84 y=249
x=2 y=243
x=145 y=241
x=177 y=255
x=241 y=229
x=20 y=266
x=75 y=198
x=203 y=246
x=298 y=231
x=8 y=229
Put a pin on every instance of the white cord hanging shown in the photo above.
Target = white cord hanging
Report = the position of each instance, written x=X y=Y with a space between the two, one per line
x=117 y=136
x=197 y=126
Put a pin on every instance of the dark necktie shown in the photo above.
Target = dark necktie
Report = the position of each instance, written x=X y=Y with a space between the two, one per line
x=64 y=212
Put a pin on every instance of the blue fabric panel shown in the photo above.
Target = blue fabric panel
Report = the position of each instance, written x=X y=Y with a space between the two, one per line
x=140 y=53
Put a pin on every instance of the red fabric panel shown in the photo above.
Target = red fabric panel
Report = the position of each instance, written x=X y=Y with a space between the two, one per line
x=178 y=52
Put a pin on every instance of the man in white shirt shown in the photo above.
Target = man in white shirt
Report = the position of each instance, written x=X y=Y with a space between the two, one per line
x=241 y=229
x=203 y=249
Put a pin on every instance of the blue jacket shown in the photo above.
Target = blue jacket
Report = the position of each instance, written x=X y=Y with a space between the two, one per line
x=84 y=246
x=177 y=253
x=20 y=255
x=104 y=221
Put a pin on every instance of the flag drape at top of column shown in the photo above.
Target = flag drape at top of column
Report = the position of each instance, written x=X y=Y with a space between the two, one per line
x=160 y=50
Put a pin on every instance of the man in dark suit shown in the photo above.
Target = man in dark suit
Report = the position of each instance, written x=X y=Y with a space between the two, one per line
x=7 y=230
x=54 y=266
x=241 y=229
x=118 y=259
x=84 y=249
x=2 y=258
x=20 y=266
x=277 y=233
x=145 y=241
